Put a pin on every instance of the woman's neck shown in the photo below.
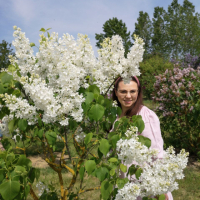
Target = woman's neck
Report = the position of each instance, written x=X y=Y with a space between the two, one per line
x=124 y=110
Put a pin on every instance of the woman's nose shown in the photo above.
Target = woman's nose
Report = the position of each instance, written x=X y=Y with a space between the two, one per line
x=128 y=95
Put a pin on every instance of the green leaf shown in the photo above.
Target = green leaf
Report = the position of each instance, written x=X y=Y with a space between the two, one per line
x=20 y=170
x=94 y=89
x=14 y=176
x=11 y=68
x=99 y=153
x=96 y=112
x=10 y=157
x=6 y=143
x=119 y=111
x=40 y=133
x=114 y=140
x=31 y=175
x=90 y=166
x=1 y=89
x=161 y=197
x=144 y=140
x=100 y=99
x=106 y=189
x=89 y=97
x=131 y=170
x=104 y=146
x=17 y=93
x=102 y=173
x=2 y=174
x=22 y=124
x=40 y=121
x=11 y=125
x=18 y=73
x=140 y=124
x=112 y=172
x=27 y=190
x=24 y=161
x=51 y=137
x=37 y=174
x=6 y=78
x=121 y=182
x=9 y=189
x=43 y=30
x=88 y=138
x=81 y=172
x=123 y=167
x=138 y=173
x=113 y=160
x=32 y=44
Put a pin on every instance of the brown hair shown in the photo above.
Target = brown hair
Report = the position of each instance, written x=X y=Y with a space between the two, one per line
x=135 y=108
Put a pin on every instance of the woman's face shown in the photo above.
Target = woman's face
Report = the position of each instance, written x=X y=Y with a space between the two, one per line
x=127 y=94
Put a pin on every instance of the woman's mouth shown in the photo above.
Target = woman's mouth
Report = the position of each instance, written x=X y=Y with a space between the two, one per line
x=127 y=101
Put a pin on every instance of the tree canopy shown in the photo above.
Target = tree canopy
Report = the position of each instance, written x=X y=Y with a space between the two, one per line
x=114 y=27
x=5 y=51
x=171 y=33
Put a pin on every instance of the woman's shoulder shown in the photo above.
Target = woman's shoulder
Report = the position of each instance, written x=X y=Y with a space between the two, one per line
x=148 y=115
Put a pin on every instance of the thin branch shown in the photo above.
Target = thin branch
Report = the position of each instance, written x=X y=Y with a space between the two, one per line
x=32 y=193
x=109 y=88
x=66 y=144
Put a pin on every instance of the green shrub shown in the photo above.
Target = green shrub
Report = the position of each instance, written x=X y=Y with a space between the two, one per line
x=178 y=93
x=150 y=68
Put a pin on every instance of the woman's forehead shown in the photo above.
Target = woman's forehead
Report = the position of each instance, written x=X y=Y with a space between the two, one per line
x=130 y=86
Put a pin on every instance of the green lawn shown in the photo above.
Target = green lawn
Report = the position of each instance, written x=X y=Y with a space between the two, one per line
x=189 y=187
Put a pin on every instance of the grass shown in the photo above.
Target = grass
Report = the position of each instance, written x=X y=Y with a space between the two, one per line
x=189 y=187
x=150 y=104
x=49 y=177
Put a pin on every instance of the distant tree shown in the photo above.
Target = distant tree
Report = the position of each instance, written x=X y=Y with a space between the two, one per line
x=5 y=51
x=173 y=34
x=143 y=28
x=175 y=29
x=191 y=30
x=183 y=28
x=114 y=27
x=160 y=37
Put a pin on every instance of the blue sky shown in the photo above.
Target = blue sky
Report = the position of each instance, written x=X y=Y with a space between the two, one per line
x=72 y=16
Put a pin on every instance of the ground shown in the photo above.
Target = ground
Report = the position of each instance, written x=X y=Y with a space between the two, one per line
x=39 y=162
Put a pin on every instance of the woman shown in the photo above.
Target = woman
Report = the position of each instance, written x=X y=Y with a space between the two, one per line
x=129 y=98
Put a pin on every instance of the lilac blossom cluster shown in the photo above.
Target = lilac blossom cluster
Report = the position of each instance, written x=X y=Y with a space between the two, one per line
x=158 y=175
x=52 y=77
x=179 y=86
x=188 y=61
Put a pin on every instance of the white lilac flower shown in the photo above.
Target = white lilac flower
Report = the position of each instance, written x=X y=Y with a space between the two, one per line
x=80 y=135
x=129 y=150
x=41 y=188
x=130 y=191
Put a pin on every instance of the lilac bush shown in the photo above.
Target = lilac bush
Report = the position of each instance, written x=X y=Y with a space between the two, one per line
x=188 y=61
x=178 y=92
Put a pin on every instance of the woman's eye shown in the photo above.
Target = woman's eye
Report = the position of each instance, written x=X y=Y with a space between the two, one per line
x=123 y=92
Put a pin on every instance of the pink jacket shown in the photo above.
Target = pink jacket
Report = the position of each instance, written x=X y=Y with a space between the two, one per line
x=153 y=132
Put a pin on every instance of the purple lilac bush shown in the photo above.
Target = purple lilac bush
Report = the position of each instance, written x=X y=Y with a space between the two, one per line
x=188 y=61
x=178 y=92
